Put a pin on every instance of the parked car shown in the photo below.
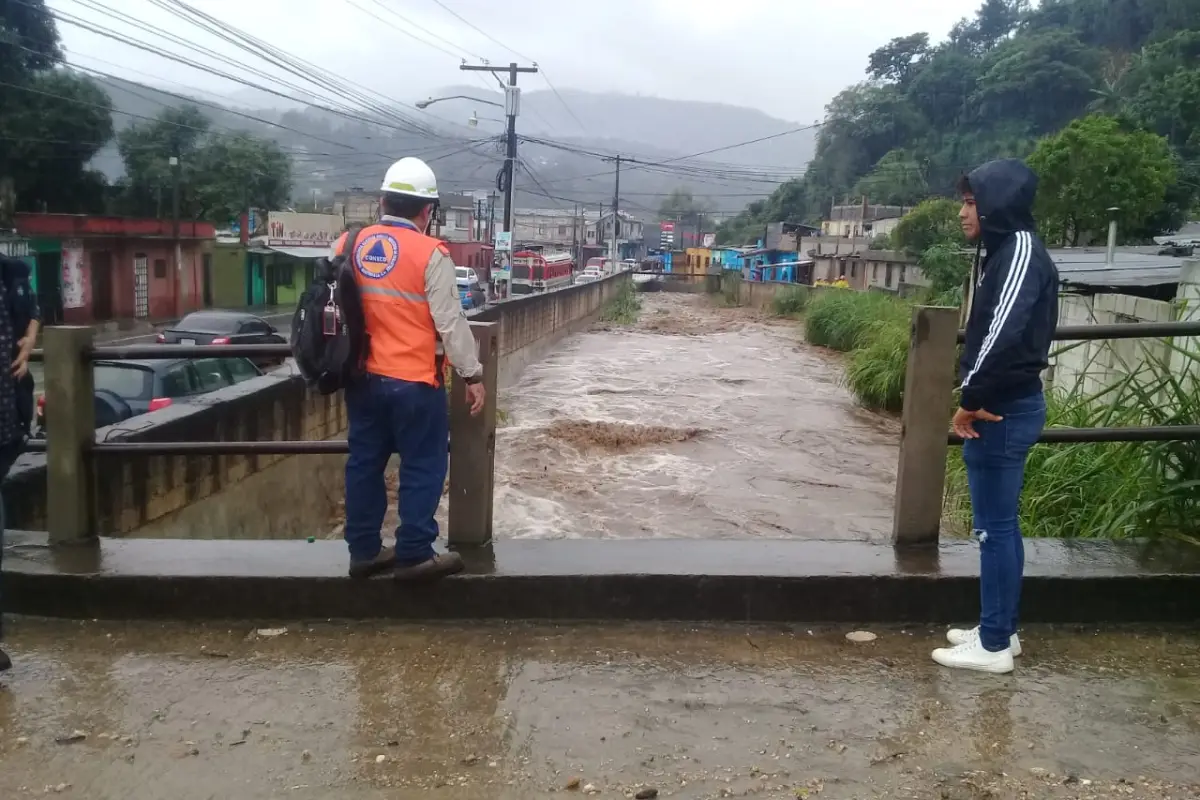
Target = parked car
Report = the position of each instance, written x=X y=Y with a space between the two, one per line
x=224 y=327
x=470 y=291
x=126 y=389
x=589 y=274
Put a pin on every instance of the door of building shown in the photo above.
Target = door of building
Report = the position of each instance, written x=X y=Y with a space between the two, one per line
x=255 y=281
x=141 y=286
x=49 y=287
x=208 y=286
x=102 y=285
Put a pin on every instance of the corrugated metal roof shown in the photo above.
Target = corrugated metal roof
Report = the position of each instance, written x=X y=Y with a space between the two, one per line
x=1131 y=267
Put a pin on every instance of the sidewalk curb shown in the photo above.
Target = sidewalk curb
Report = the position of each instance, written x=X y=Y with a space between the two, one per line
x=589 y=579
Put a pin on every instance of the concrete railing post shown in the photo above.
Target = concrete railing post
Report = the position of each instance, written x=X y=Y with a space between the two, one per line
x=925 y=422
x=473 y=448
x=71 y=431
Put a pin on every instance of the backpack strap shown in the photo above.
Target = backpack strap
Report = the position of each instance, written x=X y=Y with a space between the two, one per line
x=352 y=234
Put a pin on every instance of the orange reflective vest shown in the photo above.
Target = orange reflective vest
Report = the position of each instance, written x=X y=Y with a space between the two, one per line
x=389 y=262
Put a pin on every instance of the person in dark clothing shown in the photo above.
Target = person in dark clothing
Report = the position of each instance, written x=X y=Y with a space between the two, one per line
x=1003 y=410
x=19 y=323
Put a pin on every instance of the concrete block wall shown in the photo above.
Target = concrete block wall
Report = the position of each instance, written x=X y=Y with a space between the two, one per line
x=760 y=294
x=1093 y=366
x=160 y=495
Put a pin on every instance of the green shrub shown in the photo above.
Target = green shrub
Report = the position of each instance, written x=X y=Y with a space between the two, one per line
x=731 y=288
x=790 y=301
x=623 y=309
x=840 y=318
x=875 y=372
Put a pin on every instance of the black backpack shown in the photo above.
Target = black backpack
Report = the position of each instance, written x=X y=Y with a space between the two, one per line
x=329 y=339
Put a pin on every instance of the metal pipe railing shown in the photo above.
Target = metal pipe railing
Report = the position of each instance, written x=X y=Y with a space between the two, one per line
x=1118 y=330
x=929 y=384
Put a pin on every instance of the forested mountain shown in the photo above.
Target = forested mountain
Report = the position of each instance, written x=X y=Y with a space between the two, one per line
x=998 y=83
x=649 y=128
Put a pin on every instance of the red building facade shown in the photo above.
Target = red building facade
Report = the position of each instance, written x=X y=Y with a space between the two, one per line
x=113 y=268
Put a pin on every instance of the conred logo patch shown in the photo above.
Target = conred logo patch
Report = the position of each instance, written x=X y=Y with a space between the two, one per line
x=377 y=255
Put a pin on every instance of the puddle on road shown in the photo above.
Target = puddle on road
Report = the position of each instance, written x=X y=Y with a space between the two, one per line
x=698 y=422
x=515 y=711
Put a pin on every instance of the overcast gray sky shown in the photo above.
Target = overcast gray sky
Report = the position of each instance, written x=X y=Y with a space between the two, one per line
x=785 y=57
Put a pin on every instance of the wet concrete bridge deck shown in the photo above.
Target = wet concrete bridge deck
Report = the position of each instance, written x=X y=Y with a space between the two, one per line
x=145 y=711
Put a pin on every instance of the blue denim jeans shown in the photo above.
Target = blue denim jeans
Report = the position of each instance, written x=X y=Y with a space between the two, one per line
x=996 y=473
x=8 y=456
x=410 y=419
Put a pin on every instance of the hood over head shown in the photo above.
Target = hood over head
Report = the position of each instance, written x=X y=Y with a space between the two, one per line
x=13 y=271
x=1004 y=193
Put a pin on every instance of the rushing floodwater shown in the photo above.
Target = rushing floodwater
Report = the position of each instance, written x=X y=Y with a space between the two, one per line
x=781 y=451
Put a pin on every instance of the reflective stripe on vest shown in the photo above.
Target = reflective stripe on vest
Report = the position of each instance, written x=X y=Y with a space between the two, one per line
x=389 y=261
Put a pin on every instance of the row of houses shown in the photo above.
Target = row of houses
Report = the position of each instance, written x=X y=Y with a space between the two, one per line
x=475 y=217
x=94 y=269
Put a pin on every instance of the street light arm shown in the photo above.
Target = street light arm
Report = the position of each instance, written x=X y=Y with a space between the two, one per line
x=427 y=103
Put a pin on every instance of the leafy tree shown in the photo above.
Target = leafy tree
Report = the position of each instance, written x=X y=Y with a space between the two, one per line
x=1006 y=77
x=897 y=59
x=681 y=205
x=1093 y=165
x=1055 y=68
x=931 y=223
x=946 y=265
x=220 y=173
x=897 y=179
x=942 y=88
x=53 y=120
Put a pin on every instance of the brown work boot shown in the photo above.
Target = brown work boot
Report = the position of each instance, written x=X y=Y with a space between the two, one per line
x=440 y=566
x=381 y=563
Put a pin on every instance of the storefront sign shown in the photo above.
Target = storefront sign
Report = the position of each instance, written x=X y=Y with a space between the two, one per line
x=293 y=229
x=72 y=274
x=504 y=241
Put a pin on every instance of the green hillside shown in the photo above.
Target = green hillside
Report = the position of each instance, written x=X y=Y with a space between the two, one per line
x=998 y=83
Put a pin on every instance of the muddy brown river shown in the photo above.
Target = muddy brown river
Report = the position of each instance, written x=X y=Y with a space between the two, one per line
x=697 y=421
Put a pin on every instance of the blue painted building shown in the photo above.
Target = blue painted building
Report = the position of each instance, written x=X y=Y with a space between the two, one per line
x=764 y=264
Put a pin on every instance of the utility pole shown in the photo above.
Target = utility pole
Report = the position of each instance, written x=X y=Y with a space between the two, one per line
x=512 y=107
x=175 y=201
x=575 y=236
x=614 y=247
x=491 y=228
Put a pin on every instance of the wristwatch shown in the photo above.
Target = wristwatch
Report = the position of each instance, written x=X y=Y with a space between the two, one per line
x=474 y=379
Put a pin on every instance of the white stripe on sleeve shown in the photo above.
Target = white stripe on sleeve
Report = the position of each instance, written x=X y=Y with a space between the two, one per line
x=1013 y=282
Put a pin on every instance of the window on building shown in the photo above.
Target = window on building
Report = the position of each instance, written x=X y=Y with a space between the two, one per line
x=854 y=269
x=874 y=273
x=887 y=276
x=902 y=270
x=160 y=268
x=562 y=230
x=462 y=219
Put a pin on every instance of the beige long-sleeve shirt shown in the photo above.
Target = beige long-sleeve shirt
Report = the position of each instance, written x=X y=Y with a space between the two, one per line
x=441 y=290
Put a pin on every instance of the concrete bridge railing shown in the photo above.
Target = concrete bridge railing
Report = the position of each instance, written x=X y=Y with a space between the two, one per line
x=155 y=469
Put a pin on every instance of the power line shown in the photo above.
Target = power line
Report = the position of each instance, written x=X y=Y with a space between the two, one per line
x=546 y=78
x=479 y=30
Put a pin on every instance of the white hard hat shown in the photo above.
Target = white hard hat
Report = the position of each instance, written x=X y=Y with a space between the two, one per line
x=412 y=177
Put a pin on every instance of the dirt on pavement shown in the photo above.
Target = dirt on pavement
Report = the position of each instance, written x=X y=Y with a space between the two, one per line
x=144 y=711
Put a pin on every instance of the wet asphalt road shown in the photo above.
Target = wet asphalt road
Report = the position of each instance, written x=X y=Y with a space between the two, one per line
x=143 y=712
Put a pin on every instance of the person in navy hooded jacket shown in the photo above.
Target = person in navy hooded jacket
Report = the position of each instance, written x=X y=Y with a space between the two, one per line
x=1002 y=412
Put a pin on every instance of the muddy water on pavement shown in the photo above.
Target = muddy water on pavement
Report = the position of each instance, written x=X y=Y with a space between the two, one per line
x=511 y=712
x=698 y=421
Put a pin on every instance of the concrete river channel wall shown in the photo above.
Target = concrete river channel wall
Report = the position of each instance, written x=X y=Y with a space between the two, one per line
x=261 y=496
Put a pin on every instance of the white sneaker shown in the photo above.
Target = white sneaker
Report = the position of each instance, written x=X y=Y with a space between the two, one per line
x=957 y=636
x=971 y=655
